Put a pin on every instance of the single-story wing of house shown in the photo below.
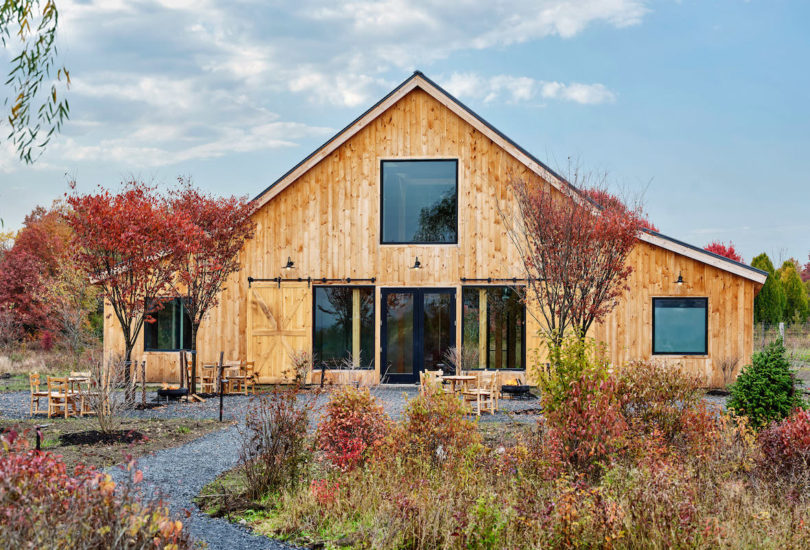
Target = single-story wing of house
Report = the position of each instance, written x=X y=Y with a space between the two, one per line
x=384 y=249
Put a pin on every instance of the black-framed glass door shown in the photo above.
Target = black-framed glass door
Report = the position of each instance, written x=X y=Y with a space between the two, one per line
x=418 y=327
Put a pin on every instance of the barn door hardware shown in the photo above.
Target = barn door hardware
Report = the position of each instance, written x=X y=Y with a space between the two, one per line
x=491 y=280
x=308 y=280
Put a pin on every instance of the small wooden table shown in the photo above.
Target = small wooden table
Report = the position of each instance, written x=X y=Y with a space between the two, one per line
x=459 y=381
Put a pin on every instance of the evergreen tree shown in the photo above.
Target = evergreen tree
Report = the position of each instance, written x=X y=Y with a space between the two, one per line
x=769 y=304
x=796 y=306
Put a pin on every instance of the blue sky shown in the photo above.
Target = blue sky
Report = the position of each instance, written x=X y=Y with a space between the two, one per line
x=702 y=106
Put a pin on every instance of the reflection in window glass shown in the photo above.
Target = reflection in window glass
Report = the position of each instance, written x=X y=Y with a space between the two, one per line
x=679 y=326
x=171 y=329
x=419 y=201
x=343 y=332
x=493 y=320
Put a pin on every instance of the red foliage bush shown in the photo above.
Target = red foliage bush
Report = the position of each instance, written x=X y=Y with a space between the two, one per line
x=44 y=506
x=589 y=424
x=324 y=491
x=786 y=445
x=46 y=340
x=354 y=422
x=721 y=249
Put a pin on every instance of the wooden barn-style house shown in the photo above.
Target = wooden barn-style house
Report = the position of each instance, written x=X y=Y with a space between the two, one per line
x=384 y=248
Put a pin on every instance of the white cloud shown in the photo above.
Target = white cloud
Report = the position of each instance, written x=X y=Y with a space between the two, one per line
x=520 y=88
x=162 y=81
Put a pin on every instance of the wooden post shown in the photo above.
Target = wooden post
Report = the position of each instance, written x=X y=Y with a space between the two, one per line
x=221 y=368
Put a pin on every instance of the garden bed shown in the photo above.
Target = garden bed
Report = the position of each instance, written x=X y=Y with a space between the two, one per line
x=78 y=439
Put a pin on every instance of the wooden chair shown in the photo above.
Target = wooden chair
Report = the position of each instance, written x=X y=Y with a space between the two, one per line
x=432 y=381
x=60 y=398
x=36 y=394
x=208 y=380
x=484 y=396
x=87 y=396
x=250 y=379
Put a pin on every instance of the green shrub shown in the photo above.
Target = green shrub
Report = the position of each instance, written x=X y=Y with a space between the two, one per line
x=571 y=361
x=766 y=390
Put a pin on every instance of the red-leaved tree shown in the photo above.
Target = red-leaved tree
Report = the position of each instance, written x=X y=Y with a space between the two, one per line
x=724 y=250
x=606 y=199
x=574 y=254
x=22 y=293
x=128 y=243
x=216 y=230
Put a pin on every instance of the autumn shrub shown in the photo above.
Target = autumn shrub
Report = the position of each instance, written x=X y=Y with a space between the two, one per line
x=42 y=505
x=434 y=428
x=653 y=395
x=786 y=448
x=589 y=424
x=353 y=423
x=767 y=390
x=274 y=450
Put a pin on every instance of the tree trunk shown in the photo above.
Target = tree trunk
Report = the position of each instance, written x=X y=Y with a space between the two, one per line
x=192 y=390
x=129 y=389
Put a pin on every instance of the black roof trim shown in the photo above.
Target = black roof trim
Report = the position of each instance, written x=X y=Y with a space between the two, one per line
x=445 y=92
x=698 y=249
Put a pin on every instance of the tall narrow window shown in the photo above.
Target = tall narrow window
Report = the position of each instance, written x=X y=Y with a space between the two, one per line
x=419 y=201
x=680 y=326
x=171 y=329
x=343 y=329
x=493 y=326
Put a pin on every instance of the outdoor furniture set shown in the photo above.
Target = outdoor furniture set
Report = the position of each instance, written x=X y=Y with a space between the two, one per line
x=481 y=391
x=65 y=396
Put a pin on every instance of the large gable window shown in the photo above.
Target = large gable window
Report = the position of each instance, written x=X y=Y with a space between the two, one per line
x=680 y=326
x=171 y=329
x=419 y=201
x=343 y=329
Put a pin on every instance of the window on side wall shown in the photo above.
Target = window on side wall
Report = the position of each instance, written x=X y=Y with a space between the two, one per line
x=419 y=201
x=680 y=326
x=171 y=330
x=493 y=326
x=343 y=326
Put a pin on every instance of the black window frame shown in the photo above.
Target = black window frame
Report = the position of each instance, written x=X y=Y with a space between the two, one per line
x=318 y=365
x=181 y=329
x=705 y=300
x=517 y=289
x=383 y=242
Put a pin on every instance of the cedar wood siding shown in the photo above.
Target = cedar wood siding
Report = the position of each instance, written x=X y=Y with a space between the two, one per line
x=328 y=222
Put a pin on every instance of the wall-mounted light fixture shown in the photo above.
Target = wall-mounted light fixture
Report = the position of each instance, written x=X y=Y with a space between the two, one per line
x=679 y=282
x=417 y=264
x=290 y=264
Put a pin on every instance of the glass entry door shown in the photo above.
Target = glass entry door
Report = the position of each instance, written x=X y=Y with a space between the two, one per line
x=418 y=327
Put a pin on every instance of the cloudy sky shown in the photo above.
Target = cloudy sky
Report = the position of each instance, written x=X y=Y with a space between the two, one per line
x=702 y=106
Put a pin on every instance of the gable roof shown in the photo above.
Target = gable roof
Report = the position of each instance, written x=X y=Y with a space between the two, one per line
x=419 y=80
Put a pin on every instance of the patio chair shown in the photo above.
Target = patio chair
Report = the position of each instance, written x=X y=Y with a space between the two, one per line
x=36 y=394
x=60 y=398
x=87 y=396
x=208 y=380
x=484 y=396
x=432 y=380
x=250 y=379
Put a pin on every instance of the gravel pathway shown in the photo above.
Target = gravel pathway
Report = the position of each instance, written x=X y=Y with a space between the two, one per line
x=179 y=474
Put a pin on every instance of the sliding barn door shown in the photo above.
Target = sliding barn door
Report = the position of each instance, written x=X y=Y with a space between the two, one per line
x=278 y=324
